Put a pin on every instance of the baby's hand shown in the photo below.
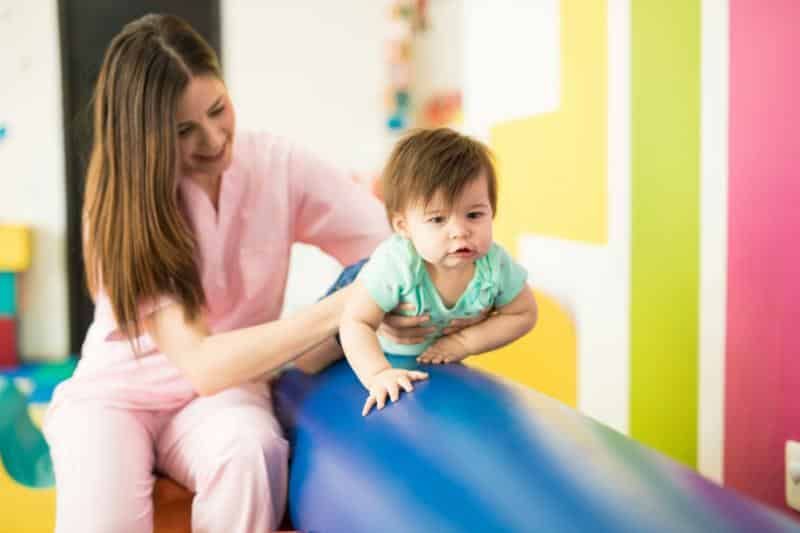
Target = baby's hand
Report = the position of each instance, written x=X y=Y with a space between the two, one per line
x=447 y=349
x=389 y=382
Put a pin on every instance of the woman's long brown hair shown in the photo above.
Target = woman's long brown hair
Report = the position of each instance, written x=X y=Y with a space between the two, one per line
x=138 y=246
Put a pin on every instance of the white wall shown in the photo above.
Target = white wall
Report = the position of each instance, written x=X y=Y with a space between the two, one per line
x=713 y=236
x=314 y=71
x=439 y=51
x=32 y=174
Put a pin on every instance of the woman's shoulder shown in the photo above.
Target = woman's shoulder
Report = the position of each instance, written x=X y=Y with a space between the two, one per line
x=259 y=144
x=260 y=157
x=260 y=151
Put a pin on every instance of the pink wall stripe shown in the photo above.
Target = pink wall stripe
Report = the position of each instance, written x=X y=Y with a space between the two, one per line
x=762 y=396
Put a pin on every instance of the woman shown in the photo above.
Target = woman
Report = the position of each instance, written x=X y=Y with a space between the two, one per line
x=188 y=226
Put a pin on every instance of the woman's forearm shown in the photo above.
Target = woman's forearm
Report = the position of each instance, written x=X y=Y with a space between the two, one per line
x=319 y=357
x=234 y=357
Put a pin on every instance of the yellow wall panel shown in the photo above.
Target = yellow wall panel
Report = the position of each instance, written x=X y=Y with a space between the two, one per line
x=545 y=358
x=553 y=167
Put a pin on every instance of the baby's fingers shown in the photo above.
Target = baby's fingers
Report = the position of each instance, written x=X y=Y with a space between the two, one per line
x=369 y=404
x=394 y=391
x=405 y=382
x=417 y=375
x=381 y=398
x=434 y=357
x=427 y=356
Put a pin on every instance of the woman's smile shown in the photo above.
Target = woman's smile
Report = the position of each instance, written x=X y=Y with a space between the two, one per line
x=214 y=158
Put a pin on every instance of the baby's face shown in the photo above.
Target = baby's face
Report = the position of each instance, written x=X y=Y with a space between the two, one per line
x=452 y=237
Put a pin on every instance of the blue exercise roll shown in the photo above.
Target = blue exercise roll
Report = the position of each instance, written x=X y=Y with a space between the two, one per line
x=467 y=452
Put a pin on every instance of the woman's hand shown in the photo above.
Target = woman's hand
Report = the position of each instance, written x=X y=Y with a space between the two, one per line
x=414 y=329
x=405 y=329
x=461 y=323
x=388 y=382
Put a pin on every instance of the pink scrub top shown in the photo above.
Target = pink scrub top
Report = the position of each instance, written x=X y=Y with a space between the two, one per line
x=273 y=195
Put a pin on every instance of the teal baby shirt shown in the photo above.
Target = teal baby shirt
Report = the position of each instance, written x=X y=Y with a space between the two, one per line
x=395 y=274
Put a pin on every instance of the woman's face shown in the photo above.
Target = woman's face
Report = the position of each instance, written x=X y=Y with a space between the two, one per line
x=206 y=123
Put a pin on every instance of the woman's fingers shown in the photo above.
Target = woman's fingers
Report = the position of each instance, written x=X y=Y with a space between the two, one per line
x=406 y=329
x=405 y=335
x=461 y=323
x=406 y=322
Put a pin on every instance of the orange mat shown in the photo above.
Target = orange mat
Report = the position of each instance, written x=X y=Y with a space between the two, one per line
x=172 y=508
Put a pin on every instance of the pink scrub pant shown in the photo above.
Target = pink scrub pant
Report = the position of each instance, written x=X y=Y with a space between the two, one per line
x=227 y=448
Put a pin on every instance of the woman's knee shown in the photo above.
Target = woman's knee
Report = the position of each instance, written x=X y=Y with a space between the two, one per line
x=254 y=449
x=248 y=445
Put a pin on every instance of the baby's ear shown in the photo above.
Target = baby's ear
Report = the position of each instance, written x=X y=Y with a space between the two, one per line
x=400 y=225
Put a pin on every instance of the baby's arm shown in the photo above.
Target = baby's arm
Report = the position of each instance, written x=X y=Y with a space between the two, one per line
x=509 y=323
x=360 y=319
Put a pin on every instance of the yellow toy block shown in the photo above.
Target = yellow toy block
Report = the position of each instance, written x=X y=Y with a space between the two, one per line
x=25 y=509
x=15 y=248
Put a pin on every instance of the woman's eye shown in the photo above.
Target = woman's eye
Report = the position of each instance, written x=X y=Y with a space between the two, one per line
x=183 y=132
x=217 y=111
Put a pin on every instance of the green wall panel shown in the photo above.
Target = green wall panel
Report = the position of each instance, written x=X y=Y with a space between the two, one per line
x=665 y=195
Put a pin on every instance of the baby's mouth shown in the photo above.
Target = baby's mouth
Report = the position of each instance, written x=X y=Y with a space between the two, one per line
x=464 y=250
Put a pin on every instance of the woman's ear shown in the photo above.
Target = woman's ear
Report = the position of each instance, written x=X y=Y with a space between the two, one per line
x=400 y=225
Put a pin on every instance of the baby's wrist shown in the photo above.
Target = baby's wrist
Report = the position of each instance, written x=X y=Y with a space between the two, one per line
x=375 y=373
x=462 y=337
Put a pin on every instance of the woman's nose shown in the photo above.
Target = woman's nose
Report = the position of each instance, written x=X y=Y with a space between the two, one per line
x=213 y=138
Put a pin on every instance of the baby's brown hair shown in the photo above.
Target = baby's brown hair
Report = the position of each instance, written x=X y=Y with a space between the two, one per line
x=427 y=161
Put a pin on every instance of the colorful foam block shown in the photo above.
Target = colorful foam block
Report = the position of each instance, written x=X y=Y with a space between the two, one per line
x=8 y=342
x=469 y=452
x=26 y=471
x=8 y=293
x=15 y=247
x=41 y=378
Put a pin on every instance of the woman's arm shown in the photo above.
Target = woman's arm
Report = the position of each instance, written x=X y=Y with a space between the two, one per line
x=319 y=357
x=213 y=362
x=506 y=325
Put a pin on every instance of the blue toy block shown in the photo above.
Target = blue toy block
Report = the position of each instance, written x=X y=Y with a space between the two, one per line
x=37 y=380
x=8 y=293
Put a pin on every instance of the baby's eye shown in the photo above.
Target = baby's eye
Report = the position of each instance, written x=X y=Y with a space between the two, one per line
x=436 y=220
x=475 y=214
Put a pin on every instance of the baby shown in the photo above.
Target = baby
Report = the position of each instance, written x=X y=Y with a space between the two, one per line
x=441 y=194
